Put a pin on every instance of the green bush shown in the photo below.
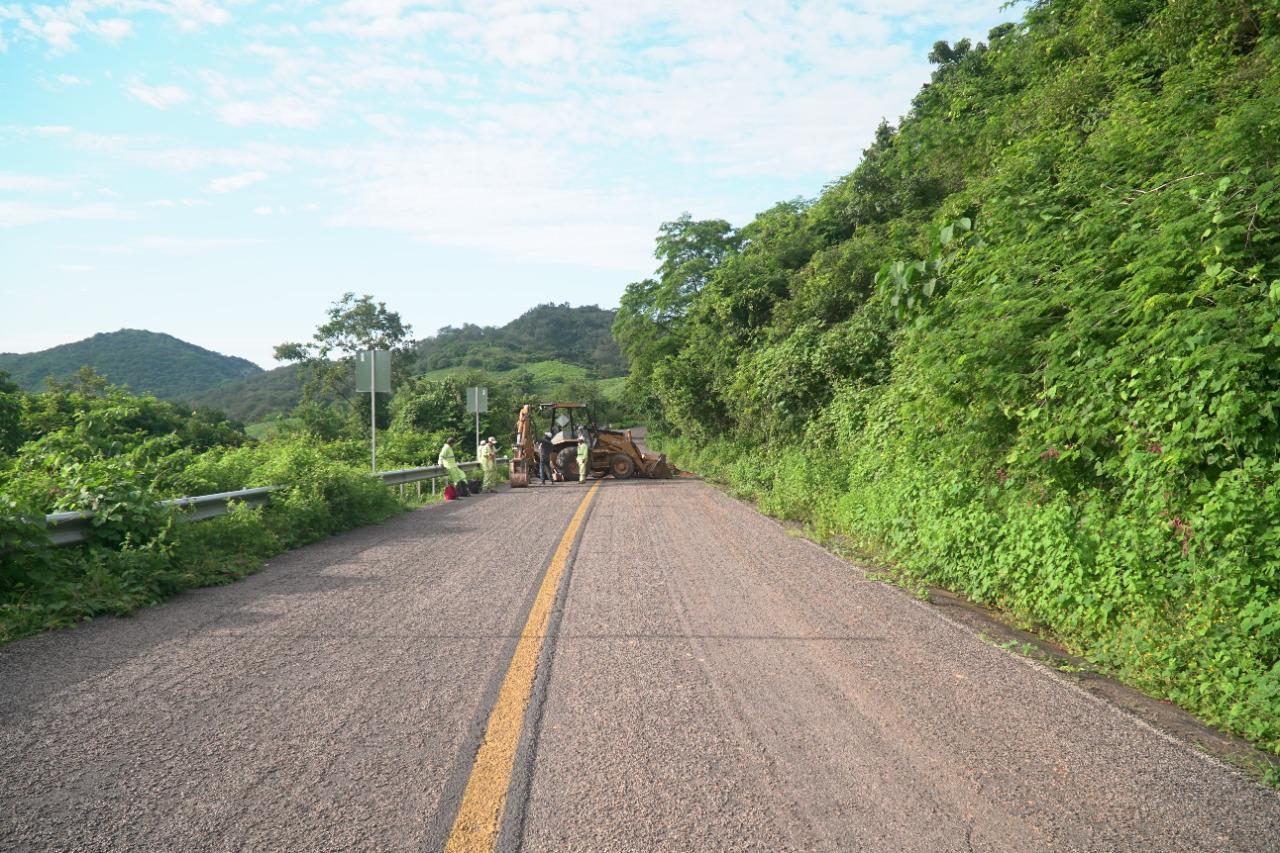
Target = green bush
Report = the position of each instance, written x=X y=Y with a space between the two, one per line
x=25 y=554
x=137 y=552
x=323 y=496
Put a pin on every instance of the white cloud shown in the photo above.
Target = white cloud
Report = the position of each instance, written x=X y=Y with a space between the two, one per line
x=774 y=89
x=392 y=125
x=283 y=111
x=234 y=182
x=532 y=38
x=389 y=77
x=385 y=20
x=160 y=97
x=461 y=194
x=592 y=97
x=193 y=14
x=11 y=182
x=58 y=34
x=72 y=80
x=247 y=157
x=115 y=29
x=18 y=213
x=58 y=26
x=185 y=244
x=555 y=127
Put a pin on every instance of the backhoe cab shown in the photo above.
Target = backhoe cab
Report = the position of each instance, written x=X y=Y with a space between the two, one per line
x=612 y=451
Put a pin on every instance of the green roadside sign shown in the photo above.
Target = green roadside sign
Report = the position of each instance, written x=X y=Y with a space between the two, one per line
x=379 y=377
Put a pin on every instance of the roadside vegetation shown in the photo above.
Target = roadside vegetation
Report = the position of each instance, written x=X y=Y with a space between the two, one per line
x=1029 y=349
x=91 y=446
x=84 y=444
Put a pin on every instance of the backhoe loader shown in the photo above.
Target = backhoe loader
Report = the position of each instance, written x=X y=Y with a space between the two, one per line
x=612 y=451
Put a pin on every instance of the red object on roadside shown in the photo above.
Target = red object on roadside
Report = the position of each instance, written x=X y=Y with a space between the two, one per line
x=450 y=493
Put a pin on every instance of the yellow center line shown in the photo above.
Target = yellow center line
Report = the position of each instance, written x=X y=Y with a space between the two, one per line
x=480 y=816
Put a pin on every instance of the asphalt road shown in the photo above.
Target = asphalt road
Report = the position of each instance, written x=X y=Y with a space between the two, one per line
x=705 y=682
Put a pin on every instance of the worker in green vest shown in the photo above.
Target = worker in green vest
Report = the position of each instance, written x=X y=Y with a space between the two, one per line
x=450 y=464
x=489 y=463
x=584 y=450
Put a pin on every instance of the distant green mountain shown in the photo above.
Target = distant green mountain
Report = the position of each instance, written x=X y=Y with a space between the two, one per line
x=147 y=362
x=549 y=332
x=554 y=343
x=257 y=397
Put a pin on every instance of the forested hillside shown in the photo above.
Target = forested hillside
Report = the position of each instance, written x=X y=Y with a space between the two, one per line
x=255 y=397
x=547 y=332
x=1029 y=348
x=556 y=345
x=147 y=362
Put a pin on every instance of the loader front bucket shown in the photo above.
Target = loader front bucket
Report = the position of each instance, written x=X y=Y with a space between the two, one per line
x=658 y=468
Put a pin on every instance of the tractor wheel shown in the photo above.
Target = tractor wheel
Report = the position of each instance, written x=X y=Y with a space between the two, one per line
x=621 y=466
x=567 y=459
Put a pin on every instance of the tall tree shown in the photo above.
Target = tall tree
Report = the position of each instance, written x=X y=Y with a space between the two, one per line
x=651 y=312
x=354 y=325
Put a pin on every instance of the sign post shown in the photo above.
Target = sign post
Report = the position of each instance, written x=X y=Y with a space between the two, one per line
x=477 y=401
x=373 y=374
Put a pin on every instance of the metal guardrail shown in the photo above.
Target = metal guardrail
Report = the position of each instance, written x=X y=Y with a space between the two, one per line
x=208 y=506
x=414 y=475
x=70 y=528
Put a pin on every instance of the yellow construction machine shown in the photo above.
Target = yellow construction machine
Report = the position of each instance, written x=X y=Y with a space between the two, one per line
x=612 y=451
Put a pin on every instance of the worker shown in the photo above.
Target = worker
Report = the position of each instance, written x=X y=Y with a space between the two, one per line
x=489 y=463
x=482 y=453
x=544 y=458
x=451 y=469
x=584 y=450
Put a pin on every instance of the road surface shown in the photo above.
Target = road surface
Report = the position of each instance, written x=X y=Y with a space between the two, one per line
x=657 y=668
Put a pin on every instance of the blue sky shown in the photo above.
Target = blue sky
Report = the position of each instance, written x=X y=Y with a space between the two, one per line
x=223 y=171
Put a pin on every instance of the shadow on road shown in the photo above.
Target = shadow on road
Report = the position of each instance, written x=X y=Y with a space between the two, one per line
x=38 y=668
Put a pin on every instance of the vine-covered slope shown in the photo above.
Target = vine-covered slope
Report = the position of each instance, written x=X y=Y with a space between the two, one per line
x=1029 y=347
